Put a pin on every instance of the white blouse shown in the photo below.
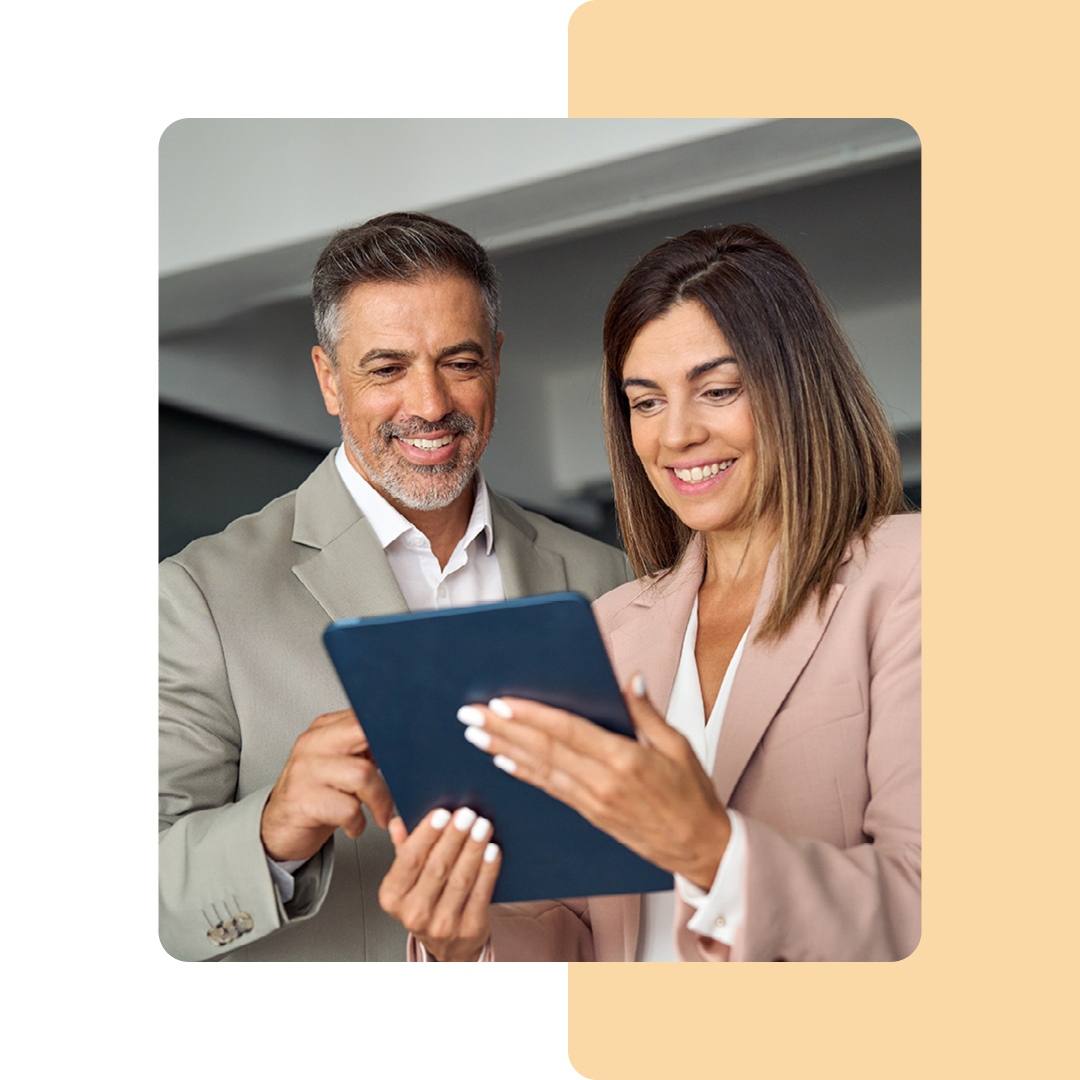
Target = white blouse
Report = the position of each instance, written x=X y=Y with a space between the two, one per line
x=719 y=911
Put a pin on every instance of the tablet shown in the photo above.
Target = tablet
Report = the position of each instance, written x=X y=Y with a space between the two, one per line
x=406 y=677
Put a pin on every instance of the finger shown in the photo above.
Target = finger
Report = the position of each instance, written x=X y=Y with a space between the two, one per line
x=462 y=874
x=535 y=758
x=651 y=727
x=545 y=747
x=475 y=912
x=398 y=833
x=340 y=731
x=411 y=854
x=413 y=895
x=542 y=730
x=374 y=793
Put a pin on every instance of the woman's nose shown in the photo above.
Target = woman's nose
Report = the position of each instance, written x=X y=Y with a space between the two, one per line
x=681 y=428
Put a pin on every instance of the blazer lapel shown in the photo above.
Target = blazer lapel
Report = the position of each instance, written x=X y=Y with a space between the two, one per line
x=526 y=569
x=648 y=636
x=765 y=676
x=348 y=575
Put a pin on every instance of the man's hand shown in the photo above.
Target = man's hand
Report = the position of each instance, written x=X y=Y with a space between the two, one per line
x=439 y=887
x=326 y=781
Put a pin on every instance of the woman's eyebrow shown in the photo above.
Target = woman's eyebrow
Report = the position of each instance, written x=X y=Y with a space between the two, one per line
x=697 y=372
x=691 y=375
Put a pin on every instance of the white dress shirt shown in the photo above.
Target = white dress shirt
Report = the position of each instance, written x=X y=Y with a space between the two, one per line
x=471 y=576
x=720 y=910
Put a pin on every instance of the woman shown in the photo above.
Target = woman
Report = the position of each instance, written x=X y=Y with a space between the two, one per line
x=776 y=625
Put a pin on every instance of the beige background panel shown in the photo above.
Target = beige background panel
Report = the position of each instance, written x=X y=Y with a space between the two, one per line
x=983 y=994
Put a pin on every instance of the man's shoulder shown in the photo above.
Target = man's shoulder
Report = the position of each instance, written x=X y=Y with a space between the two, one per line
x=591 y=567
x=250 y=539
x=555 y=536
x=265 y=540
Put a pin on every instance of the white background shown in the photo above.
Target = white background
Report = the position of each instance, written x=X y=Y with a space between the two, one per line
x=89 y=90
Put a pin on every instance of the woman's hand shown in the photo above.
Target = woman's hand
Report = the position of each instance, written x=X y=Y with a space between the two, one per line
x=440 y=884
x=652 y=795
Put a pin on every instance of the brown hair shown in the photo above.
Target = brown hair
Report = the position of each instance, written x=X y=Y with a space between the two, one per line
x=828 y=463
x=402 y=246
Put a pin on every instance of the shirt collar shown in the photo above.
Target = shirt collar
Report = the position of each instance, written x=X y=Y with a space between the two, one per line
x=389 y=525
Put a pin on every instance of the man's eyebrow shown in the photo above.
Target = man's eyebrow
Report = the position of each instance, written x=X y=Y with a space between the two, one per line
x=468 y=346
x=691 y=375
x=376 y=354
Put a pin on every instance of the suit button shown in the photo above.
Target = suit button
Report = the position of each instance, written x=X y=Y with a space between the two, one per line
x=222 y=935
x=721 y=921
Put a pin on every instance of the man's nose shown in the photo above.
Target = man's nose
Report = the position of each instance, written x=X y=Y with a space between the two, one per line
x=427 y=396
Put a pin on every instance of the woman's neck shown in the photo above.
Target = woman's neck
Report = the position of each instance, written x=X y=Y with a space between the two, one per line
x=733 y=557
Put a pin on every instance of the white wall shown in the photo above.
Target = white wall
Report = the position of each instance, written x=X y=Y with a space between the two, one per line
x=232 y=187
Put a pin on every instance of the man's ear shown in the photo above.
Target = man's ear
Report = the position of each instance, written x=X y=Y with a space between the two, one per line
x=495 y=358
x=328 y=382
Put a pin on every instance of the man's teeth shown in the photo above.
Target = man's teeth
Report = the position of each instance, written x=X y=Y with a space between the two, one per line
x=697 y=474
x=429 y=444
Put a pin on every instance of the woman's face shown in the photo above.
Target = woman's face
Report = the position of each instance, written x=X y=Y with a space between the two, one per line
x=690 y=418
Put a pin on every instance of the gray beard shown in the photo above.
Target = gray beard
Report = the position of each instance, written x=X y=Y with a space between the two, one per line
x=418 y=487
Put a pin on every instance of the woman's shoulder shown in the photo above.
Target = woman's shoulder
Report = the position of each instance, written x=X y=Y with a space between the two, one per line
x=609 y=606
x=892 y=550
x=898 y=537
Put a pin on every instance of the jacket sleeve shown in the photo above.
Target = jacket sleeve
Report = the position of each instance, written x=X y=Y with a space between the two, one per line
x=212 y=868
x=809 y=900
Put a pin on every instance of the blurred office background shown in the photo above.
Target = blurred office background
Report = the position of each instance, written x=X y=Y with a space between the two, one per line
x=564 y=207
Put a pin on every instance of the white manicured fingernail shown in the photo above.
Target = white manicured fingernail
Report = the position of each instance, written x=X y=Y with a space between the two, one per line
x=637 y=684
x=477 y=737
x=500 y=708
x=464 y=818
x=439 y=819
x=501 y=761
x=491 y=852
x=467 y=714
x=481 y=829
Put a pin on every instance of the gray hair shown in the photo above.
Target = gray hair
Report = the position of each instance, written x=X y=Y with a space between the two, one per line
x=396 y=247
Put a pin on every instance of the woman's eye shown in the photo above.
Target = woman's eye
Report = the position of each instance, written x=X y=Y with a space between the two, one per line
x=644 y=405
x=722 y=393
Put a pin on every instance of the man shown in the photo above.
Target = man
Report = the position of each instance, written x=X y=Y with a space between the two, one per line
x=273 y=841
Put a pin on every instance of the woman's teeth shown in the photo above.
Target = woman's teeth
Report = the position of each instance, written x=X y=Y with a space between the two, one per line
x=430 y=444
x=704 y=472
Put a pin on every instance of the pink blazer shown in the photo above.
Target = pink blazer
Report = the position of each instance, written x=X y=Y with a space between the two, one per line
x=819 y=752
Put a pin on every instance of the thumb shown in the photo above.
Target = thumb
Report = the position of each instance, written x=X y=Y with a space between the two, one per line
x=651 y=727
x=398 y=833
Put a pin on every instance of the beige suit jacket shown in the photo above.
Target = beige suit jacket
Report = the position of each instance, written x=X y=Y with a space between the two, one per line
x=820 y=753
x=243 y=672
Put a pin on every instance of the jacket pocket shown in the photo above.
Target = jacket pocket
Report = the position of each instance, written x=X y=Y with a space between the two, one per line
x=813 y=711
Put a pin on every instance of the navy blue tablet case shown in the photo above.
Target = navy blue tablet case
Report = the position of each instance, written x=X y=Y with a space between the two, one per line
x=407 y=675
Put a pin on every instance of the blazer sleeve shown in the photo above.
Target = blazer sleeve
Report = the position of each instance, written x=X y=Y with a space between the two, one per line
x=211 y=862
x=809 y=900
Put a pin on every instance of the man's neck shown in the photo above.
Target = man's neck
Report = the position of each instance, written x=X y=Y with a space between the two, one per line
x=443 y=528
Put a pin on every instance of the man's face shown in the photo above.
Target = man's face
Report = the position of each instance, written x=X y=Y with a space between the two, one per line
x=414 y=387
